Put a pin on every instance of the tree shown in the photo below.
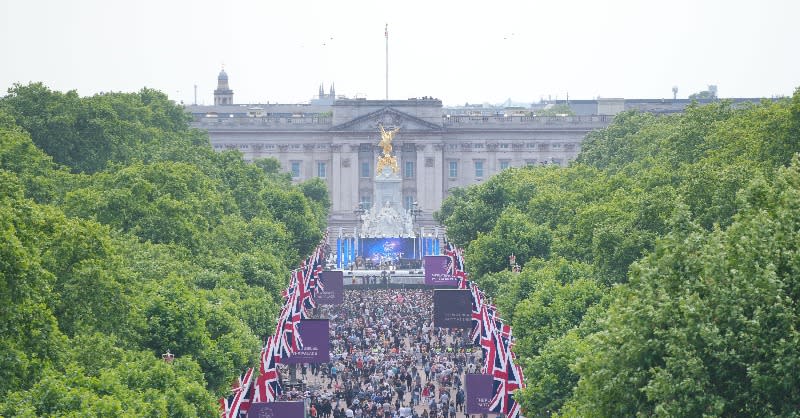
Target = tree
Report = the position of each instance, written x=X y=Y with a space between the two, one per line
x=669 y=190
x=513 y=233
x=707 y=325
x=316 y=192
x=29 y=335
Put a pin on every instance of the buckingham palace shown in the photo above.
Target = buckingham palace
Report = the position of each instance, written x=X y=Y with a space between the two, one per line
x=437 y=148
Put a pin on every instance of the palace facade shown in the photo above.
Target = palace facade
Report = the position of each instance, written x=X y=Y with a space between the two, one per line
x=437 y=148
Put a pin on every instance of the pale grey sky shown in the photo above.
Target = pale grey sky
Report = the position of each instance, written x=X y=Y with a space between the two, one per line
x=458 y=51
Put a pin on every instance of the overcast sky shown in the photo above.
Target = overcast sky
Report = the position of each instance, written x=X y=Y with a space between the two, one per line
x=458 y=51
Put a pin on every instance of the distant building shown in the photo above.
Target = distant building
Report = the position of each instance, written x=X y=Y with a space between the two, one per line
x=325 y=99
x=223 y=95
x=438 y=148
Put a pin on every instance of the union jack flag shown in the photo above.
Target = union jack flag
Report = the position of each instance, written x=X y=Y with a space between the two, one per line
x=311 y=268
x=456 y=265
x=268 y=386
x=515 y=382
x=239 y=397
x=490 y=344
x=282 y=337
x=478 y=308
x=298 y=297
x=500 y=372
x=495 y=340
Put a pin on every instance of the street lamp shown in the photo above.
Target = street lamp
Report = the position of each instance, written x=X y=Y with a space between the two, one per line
x=359 y=210
x=415 y=210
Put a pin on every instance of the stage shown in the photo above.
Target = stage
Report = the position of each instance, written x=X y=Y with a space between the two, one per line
x=372 y=253
x=383 y=277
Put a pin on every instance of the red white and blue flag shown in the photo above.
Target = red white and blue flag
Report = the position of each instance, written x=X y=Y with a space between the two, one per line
x=239 y=399
x=268 y=387
x=495 y=340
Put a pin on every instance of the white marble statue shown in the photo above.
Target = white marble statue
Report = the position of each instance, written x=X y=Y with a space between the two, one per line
x=386 y=222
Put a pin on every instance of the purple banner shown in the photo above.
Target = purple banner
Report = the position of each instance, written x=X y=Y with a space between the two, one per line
x=452 y=308
x=437 y=271
x=315 y=334
x=333 y=282
x=276 y=410
x=479 y=393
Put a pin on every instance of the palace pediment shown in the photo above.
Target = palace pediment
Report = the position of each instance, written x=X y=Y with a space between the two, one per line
x=389 y=118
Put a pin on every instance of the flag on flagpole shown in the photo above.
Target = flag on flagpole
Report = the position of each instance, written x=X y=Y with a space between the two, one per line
x=239 y=396
x=495 y=339
x=268 y=387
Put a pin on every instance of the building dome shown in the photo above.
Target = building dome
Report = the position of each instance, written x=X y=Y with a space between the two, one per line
x=223 y=95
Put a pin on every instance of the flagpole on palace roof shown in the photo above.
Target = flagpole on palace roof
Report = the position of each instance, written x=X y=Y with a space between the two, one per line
x=386 y=34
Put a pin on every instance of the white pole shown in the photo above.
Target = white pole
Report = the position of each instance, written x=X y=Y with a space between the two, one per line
x=386 y=34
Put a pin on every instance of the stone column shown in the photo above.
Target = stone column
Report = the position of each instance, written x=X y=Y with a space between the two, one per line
x=309 y=161
x=424 y=175
x=338 y=172
x=350 y=182
x=283 y=157
x=439 y=179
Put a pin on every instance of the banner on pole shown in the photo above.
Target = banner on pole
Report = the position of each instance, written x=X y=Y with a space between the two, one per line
x=333 y=283
x=276 y=410
x=452 y=308
x=438 y=271
x=479 y=393
x=315 y=334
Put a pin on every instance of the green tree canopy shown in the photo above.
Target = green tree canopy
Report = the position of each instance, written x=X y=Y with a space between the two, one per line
x=655 y=237
x=122 y=236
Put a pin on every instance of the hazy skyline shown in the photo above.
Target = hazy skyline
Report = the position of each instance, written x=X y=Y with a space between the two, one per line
x=456 y=51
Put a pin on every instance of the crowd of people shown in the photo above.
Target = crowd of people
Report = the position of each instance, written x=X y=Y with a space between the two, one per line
x=388 y=360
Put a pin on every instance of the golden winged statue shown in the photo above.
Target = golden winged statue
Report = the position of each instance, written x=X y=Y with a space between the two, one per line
x=386 y=140
x=386 y=143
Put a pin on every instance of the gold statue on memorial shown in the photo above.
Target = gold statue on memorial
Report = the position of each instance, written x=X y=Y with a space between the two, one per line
x=386 y=143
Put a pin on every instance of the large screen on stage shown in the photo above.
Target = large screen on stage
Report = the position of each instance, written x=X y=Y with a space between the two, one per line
x=381 y=250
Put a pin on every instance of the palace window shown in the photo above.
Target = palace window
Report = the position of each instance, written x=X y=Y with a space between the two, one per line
x=408 y=202
x=365 y=170
x=295 y=168
x=530 y=163
x=408 y=169
x=322 y=169
x=478 y=168
x=453 y=169
x=366 y=201
x=504 y=164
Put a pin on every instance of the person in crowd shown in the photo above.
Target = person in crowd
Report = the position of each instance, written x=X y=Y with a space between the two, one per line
x=387 y=359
